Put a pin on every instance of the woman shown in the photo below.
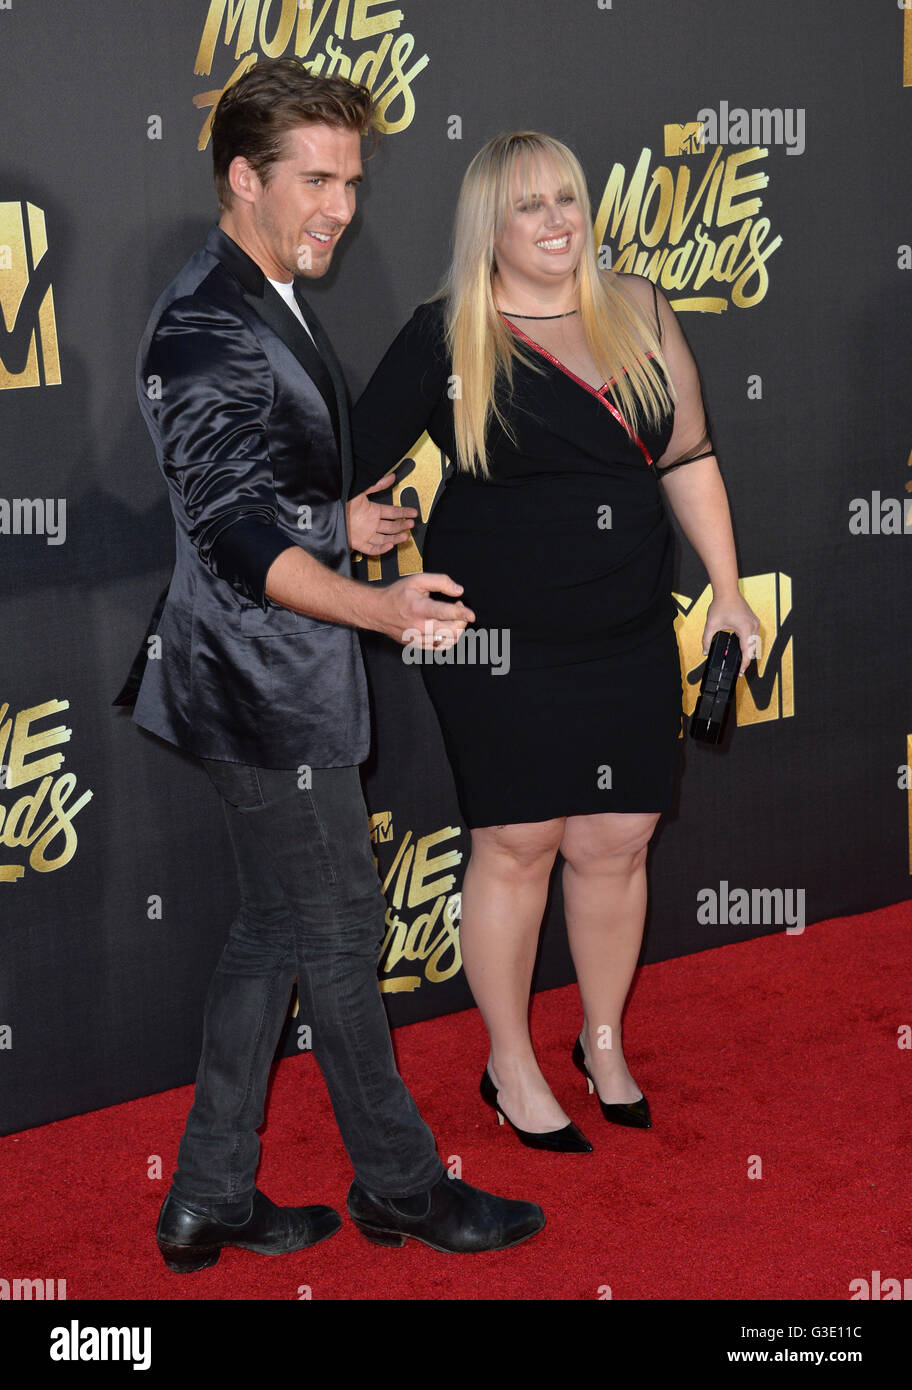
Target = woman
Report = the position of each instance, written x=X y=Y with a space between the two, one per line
x=562 y=394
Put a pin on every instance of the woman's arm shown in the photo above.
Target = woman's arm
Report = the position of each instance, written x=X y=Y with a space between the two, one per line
x=696 y=493
x=391 y=414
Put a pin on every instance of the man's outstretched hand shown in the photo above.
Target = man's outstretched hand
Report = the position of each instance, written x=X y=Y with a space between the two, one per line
x=409 y=614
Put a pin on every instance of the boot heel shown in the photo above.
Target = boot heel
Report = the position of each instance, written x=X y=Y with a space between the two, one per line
x=186 y=1259
x=381 y=1237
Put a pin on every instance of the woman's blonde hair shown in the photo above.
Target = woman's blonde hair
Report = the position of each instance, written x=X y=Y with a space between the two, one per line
x=481 y=345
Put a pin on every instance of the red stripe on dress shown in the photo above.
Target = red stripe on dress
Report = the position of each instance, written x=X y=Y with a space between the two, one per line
x=585 y=385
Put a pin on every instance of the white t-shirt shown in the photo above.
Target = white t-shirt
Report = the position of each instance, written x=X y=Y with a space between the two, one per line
x=286 y=290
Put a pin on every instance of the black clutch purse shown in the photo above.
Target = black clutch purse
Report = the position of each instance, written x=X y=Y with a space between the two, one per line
x=717 y=688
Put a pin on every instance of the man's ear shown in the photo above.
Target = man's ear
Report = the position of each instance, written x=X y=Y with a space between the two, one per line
x=243 y=179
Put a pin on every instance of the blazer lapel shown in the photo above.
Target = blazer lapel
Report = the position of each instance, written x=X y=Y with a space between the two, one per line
x=341 y=417
x=323 y=370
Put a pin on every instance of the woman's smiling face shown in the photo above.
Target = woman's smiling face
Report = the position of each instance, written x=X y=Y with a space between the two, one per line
x=543 y=238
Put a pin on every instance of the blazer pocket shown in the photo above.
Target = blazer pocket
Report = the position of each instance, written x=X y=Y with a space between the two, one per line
x=278 y=622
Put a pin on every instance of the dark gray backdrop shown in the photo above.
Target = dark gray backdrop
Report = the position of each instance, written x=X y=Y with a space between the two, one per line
x=101 y=995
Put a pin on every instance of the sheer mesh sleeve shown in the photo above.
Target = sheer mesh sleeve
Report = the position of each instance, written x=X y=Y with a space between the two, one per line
x=690 y=438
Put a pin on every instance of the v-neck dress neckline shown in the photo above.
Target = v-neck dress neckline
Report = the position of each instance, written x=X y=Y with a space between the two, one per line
x=598 y=393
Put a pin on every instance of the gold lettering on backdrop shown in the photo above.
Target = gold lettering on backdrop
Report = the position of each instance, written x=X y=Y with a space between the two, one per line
x=326 y=35
x=36 y=820
x=422 y=918
x=419 y=480
x=29 y=354
x=767 y=689
x=907 y=48
x=661 y=229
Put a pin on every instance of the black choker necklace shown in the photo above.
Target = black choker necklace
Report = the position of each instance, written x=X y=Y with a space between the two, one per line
x=510 y=315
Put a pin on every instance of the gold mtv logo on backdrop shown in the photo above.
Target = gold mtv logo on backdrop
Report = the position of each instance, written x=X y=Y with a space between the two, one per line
x=381 y=827
x=419 y=479
x=767 y=689
x=684 y=139
x=29 y=355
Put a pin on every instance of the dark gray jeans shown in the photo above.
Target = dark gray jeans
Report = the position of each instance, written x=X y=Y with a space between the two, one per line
x=311 y=905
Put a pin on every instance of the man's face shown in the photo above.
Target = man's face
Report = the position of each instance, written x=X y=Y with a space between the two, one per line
x=299 y=215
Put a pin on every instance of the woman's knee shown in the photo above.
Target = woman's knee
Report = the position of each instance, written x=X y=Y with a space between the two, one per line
x=613 y=838
x=518 y=848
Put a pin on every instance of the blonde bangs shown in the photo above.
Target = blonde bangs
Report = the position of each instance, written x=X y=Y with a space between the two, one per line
x=530 y=156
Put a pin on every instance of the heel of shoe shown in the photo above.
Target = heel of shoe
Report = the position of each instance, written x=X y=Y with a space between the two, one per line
x=187 y=1259
x=489 y=1096
x=566 y=1140
x=578 y=1058
x=394 y=1238
x=634 y=1115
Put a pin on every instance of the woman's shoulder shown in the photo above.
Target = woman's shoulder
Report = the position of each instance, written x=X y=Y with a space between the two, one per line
x=436 y=304
x=431 y=313
x=425 y=331
x=638 y=290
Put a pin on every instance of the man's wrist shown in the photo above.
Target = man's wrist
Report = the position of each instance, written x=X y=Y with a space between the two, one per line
x=366 y=606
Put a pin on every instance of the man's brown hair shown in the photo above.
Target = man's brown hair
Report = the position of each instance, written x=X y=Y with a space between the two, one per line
x=253 y=116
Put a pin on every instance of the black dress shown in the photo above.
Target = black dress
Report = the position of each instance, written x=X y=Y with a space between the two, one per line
x=586 y=717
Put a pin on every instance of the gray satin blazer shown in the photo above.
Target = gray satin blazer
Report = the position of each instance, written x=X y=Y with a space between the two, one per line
x=250 y=426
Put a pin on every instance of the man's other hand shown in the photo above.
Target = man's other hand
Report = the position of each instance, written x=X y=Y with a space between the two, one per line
x=375 y=527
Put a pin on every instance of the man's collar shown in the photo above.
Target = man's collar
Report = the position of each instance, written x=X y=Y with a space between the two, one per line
x=244 y=267
x=246 y=270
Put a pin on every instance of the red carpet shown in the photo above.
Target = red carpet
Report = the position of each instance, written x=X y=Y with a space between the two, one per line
x=784 y=1047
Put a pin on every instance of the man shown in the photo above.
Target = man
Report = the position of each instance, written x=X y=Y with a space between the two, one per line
x=260 y=676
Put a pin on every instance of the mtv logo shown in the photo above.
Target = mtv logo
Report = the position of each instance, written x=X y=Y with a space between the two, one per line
x=419 y=478
x=684 y=139
x=381 y=827
x=767 y=689
x=29 y=355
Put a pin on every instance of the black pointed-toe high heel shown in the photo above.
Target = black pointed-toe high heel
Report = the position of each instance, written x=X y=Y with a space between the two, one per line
x=635 y=1114
x=568 y=1140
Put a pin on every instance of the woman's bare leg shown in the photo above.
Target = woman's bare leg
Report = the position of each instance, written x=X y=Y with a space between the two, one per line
x=604 y=886
x=504 y=892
